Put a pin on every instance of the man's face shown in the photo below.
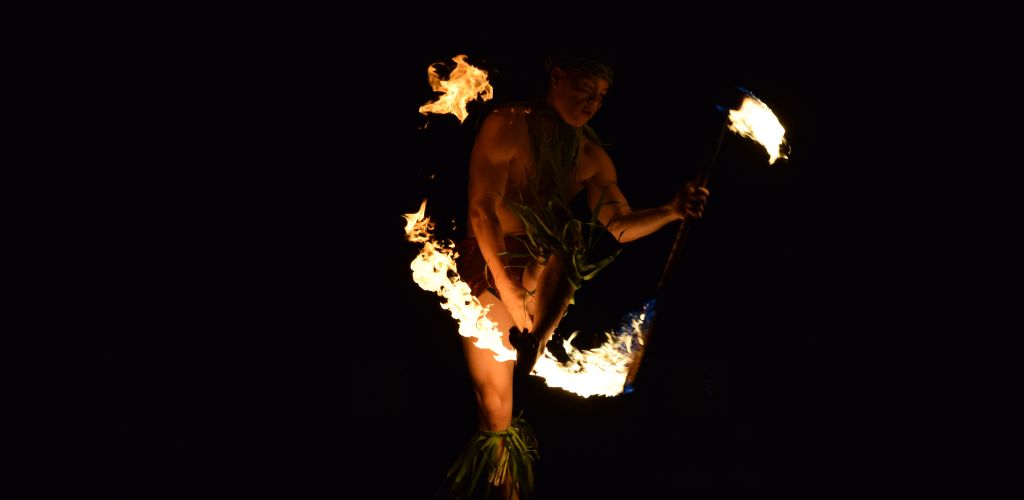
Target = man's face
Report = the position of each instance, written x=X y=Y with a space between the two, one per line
x=577 y=95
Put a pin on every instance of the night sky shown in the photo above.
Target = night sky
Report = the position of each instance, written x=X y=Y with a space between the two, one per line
x=264 y=335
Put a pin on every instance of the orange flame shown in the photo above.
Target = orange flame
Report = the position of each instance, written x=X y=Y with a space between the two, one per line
x=756 y=121
x=464 y=84
x=434 y=270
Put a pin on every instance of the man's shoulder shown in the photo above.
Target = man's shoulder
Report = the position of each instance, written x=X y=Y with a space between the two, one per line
x=512 y=111
x=594 y=159
x=507 y=117
x=593 y=147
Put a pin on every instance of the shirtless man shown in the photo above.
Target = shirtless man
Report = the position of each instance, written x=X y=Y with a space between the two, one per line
x=530 y=297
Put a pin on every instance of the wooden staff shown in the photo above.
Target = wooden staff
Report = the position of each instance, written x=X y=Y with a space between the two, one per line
x=677 y=246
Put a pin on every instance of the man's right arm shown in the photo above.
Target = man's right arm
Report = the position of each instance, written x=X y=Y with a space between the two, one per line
x=493 y=151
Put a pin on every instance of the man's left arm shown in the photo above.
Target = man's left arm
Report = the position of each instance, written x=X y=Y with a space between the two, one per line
x=615 y=213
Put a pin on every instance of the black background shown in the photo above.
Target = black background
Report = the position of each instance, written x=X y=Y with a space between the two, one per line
x=250 y=325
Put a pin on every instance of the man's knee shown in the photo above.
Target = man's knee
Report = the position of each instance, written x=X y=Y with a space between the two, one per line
x=497 y=411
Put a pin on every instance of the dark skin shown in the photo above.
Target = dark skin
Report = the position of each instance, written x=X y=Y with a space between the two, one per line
x=500 y=164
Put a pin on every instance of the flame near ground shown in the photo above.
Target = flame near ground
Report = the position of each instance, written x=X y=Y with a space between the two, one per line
x=598 y=371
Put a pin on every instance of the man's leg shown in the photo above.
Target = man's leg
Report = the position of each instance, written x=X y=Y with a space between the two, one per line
x=492 y=381
x=553 y=294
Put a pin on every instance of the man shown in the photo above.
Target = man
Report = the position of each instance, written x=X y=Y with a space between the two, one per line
x=521 y=255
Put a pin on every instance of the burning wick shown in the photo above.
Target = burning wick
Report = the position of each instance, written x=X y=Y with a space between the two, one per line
x=465 y=83
x=756 y=121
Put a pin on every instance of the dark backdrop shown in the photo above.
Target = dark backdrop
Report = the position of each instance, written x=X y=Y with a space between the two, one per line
x=252 y=325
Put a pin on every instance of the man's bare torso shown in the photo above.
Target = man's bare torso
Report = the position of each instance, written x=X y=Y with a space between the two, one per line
x=521 y=167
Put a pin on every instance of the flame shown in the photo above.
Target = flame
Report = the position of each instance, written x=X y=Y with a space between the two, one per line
x=434 y=270
x=602 y=370
x=598 y=371
x=464 y=84
x=755 y=120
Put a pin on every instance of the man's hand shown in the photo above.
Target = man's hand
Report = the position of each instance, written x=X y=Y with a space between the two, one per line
x=520 y=305
x=527 y=349
x=690 y=201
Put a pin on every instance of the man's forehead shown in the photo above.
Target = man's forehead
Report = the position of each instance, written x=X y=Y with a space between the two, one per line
x=591 y=78
x=581 y=65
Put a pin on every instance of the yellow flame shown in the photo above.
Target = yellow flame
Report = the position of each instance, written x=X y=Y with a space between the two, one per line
x=434 y=270
x=755 y=120
x=599 y=371
x=464 y=84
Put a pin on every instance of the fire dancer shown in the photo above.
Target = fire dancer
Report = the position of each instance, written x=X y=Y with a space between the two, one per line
x=523 y=251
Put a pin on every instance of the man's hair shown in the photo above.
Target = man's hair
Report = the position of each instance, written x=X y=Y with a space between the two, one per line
x=574 y=62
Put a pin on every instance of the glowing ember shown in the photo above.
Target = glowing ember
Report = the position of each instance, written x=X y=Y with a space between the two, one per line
x=602 y=370
x=464 y=84
x=755 y=120
x=434 y=270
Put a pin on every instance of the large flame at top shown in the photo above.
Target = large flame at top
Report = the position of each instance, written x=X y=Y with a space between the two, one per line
x=464 y=84
x=755 y=120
